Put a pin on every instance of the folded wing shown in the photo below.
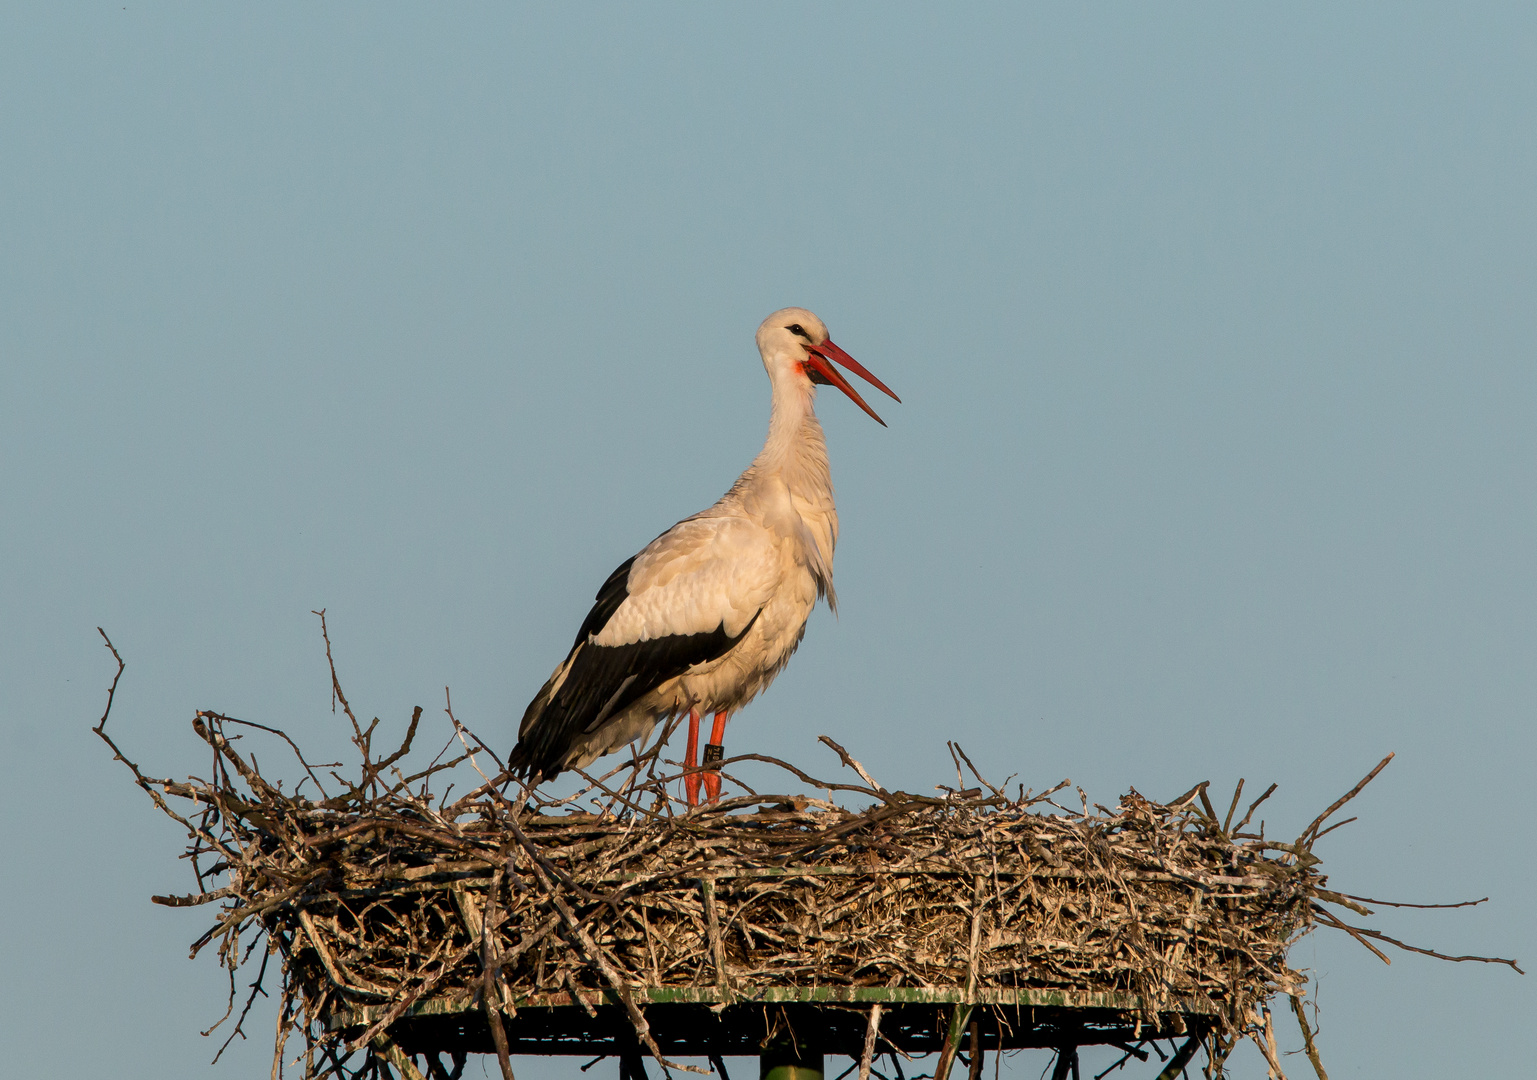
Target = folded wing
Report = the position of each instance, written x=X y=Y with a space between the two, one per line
x=687 y=599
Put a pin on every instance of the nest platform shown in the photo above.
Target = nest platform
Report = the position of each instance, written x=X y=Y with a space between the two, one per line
x=616 y=921
x=913 y=1021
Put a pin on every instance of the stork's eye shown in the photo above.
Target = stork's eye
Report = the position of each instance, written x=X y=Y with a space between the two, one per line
x=797 y=328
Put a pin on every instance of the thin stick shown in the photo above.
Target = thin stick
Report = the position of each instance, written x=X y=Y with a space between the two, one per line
x=1307 y=1038
x=1232 y=806
x=1181 y=1058
x=336 y=687
x=1336 y=825
x=872 y=1031
x=1341 y=801
x=852 y=764
x=1265 y=1039
x=958 y=1017
x=391 y=1053
x=1423 y=952
x=1252 y=807
x=1394 y=903
x=1354 y=932
x=980 y=778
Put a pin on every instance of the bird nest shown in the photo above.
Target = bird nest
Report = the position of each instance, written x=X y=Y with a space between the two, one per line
x=405 y=923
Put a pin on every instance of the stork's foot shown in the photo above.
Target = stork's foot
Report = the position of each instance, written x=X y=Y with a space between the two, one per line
x=713 y=752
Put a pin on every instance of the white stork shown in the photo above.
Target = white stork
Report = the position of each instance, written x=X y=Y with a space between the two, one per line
x=704 y=616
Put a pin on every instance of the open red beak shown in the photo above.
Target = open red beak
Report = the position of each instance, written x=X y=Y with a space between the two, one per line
x=819 y=362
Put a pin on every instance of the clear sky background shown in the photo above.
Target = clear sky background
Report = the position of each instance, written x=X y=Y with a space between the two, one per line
x=1215 y=328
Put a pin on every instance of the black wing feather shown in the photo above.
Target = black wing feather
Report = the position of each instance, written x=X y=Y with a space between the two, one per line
x=615 y=591
x=605 y=680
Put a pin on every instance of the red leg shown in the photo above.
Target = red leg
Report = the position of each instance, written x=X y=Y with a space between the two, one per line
x=712 y=755
x=691 y=762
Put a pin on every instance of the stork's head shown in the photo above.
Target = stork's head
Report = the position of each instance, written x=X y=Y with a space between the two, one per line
x=795 y=346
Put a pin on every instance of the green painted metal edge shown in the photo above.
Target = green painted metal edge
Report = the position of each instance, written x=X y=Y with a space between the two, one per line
x=810 y=995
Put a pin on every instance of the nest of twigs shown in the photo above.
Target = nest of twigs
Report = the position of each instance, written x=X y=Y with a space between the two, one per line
x=378 y=896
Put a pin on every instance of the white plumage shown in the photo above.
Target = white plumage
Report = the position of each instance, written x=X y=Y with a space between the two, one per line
x=706 y=615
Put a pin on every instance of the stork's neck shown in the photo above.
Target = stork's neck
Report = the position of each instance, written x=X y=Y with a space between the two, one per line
x=795 y=449
x=789 y=489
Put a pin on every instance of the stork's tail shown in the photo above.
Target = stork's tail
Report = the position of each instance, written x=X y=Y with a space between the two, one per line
x=534 y=758
x=522 y=764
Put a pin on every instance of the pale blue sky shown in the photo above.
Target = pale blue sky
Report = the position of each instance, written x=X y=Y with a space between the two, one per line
x=1214 y=327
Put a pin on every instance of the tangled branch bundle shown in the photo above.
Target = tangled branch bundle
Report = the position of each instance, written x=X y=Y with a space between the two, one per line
x=386 y=904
